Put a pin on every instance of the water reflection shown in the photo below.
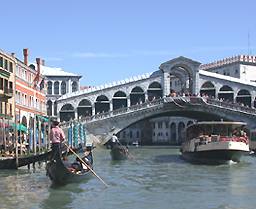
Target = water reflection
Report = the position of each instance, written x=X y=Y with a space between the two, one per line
x=61 y=197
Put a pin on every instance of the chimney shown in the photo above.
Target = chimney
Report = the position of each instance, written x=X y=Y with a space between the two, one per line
x=38 y=62
x=25 y=54
x=13 y=54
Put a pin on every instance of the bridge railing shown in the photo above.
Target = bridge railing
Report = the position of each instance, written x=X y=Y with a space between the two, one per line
x=125 y=110
x=233 y=106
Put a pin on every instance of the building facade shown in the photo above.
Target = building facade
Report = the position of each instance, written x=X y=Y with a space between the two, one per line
x=58 y=83
x=7 y=85
x=30 y=104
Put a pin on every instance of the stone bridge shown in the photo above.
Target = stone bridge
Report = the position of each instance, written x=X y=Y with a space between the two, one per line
x=101 y=127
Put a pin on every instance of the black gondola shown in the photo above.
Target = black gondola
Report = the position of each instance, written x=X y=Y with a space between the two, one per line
x=10 y=162
x=60 y=174
x=119 y=152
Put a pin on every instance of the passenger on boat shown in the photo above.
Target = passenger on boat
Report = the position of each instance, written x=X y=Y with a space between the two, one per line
x=79 y=166
x=56 y=136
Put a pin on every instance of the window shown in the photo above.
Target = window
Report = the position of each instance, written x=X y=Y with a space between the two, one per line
x=6 y=64
x=1 y=83
x=11 y=67
x=138 y=134
x=63 y=87
x=10 y=109
x=74 y=86
x=130 y=134
x=49 y=87
x=160 y=125
x=1 y=62
x=56 y=87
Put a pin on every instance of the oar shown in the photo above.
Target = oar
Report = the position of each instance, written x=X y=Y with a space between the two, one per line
x=129 y=154
x=85 y=164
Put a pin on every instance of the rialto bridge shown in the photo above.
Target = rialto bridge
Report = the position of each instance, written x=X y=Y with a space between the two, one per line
x=226 y=84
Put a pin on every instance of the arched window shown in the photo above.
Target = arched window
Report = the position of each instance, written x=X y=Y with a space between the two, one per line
x=49 y=107
x=63 y=87
x=49 y=87
x=56 y=87
x=74 y=86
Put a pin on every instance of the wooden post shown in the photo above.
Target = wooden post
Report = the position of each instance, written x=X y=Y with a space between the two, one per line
x=17 y=123
x=39 y=135
x=34 y=135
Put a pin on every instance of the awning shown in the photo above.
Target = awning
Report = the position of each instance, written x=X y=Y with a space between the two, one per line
x=21 y=127
x=43 y=118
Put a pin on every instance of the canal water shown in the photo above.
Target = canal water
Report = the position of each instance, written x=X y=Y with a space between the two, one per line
x=157 y=178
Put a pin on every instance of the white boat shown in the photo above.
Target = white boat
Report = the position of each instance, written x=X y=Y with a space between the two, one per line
x=215 y=142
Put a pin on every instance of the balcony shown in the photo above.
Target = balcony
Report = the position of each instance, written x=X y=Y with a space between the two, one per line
x=6 y=93
x=4 y=72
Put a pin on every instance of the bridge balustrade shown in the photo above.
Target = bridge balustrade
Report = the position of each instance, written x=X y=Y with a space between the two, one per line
x=233 y=106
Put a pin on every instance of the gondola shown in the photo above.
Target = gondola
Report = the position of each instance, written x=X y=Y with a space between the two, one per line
x=119 y=152
x=60 y=174
x=9 y=162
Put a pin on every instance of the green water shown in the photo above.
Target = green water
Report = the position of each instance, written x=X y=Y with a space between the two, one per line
x=156 y=179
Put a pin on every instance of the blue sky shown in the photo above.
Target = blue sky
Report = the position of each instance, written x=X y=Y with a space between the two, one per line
x=111 y=40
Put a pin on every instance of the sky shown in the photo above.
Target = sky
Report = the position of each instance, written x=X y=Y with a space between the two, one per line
x=111 y=40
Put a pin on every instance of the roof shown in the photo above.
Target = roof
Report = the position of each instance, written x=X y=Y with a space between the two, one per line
x=54 y=71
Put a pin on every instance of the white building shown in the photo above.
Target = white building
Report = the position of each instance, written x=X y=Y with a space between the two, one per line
x=58 y=83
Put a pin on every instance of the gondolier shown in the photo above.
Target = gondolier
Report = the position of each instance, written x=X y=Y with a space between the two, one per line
x=114 y=141
x=56 y=136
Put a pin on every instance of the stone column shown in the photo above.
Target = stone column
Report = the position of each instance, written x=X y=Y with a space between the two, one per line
x=111 y=105
x=93 y=109
x=128 y=101
x=166 y=84
x=59 y=87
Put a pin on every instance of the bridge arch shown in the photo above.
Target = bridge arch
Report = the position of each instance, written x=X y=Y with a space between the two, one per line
x=137 y=96
x=244 y=97
x=226 y=93
x=154 y=91
x=84 y=108
x=119 y=100
x=208 y=89
x=102 y=104
x=67 y=112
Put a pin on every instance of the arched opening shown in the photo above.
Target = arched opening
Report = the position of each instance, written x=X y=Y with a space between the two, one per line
x=84 y=108
x=244 y=98
x=49 y=107
x=181 y=80
x=74 y=86
x=63 y=87
x=137 y=96
x=154 y=91
x=189 y=123
x=119 y=100
x=173 y=133
x=102 y=104
x=55 y=108
x=226 y=93
x=208 y=89
x=24 y=121
x=56 y=87
x=67 y=112
x=181 y=132
x=49 y=87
